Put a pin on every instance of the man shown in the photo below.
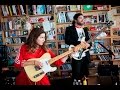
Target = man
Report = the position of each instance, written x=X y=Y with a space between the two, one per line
x=73 y=37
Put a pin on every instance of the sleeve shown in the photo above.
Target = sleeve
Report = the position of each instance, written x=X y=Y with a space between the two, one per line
x=19 y=58
x=69 y=39
x=58 y=62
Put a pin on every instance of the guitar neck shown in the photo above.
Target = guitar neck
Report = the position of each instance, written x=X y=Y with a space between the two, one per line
x=60 y=56
x=63 y=55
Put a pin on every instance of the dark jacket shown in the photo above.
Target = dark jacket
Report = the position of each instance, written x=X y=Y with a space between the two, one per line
x=71 y=37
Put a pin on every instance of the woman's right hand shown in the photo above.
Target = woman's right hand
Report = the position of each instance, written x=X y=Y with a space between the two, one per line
x=32 y=62
x=37 y=63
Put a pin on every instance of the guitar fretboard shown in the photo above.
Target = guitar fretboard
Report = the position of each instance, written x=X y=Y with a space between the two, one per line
x=62 y=55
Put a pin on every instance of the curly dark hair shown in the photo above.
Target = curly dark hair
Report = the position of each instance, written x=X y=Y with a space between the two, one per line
x=75 y=17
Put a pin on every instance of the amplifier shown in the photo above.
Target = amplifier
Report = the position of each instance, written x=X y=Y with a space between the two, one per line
x=108 y=70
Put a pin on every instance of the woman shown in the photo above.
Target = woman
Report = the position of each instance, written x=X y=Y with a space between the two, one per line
x=34 y=48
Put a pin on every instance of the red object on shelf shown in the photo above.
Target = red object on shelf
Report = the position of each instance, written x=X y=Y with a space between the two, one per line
x=41 y=20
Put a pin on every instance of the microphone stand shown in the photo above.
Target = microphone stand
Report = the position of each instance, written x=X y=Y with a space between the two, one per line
x=110 y=54
x=111 y=66
x=109 y=23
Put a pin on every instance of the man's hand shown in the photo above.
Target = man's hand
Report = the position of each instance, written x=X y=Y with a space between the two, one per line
x=83 y=45
x=87 y=45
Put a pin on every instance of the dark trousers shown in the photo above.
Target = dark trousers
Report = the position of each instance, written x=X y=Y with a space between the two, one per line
x=80 y=68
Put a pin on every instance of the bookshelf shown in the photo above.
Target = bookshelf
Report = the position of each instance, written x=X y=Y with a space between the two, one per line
x=115 y=33
x=59 y=17
x=64 y=16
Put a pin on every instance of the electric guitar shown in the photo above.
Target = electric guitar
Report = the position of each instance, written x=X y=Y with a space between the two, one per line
x=82 y=53
x=35 y=74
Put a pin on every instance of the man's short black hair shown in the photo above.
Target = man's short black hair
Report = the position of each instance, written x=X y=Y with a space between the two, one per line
x=77 y=15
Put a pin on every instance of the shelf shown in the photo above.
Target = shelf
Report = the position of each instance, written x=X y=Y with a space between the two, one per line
x=14 y=44
x=115 y=60
x=115 y=7
x=116 y=45
x=95 y=23
x=60 y=77
x=99 y=53
x=69 y=11
x=41 y=15
x=64 y=23
x=117 y=15
x=108 y=37
x=17 y=36
x=66 y=70
x=63 y=49
x=118 y=37
x=14 y=16
x=16 y=30
x=94 y=11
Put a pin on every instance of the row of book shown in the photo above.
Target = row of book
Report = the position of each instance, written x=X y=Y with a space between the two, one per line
x=95 y=7
x=17 y=40
x=63 y=17
x=12 y=25
x=99 y=18
x=61 y=37
x=51 y=45
x=98 y=27
x=10 y=10
x=61 y=29
x=61 y=51
x=13 y=49
x=63 y=45
x=116 y=32
x=51 y=35
x=16 y=33
x=116 y=51
x=40 y=9
x=116 y=42
x=68 y=8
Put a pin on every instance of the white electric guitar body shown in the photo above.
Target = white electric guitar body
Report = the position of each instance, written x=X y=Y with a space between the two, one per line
x=34 y=73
